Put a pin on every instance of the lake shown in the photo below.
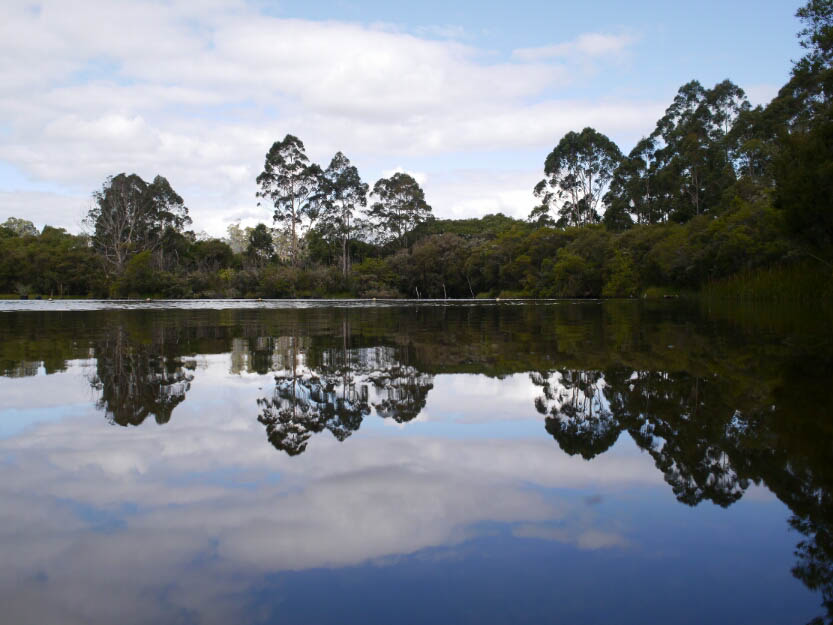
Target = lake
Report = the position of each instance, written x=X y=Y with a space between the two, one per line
x=413 y=462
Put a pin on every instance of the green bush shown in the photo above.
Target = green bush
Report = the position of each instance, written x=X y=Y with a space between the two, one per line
x=622 y=281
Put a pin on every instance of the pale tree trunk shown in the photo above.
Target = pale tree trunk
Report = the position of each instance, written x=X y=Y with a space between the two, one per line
x=345 y=245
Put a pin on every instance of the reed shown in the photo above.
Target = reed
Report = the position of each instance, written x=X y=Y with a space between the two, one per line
x=805 y=281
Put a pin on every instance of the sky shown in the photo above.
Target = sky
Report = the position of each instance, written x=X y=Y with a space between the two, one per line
x=468 y=97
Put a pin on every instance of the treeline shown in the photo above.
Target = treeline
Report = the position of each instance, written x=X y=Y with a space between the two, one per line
x=719 y=196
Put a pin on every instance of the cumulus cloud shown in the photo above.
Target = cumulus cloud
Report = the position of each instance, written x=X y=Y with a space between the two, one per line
x=198 y=91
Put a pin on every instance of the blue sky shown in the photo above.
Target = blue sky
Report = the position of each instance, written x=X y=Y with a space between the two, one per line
x=468 y=97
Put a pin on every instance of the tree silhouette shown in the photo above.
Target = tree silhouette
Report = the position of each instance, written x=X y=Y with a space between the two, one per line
x=404 y=393
x=577 y=416
x=137 y=379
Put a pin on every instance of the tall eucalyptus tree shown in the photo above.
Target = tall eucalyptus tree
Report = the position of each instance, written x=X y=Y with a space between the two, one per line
x=695 y=151
x=400 y=207
x=577 y=173
x=342 y=193
x=130 y=216
x=293 y=186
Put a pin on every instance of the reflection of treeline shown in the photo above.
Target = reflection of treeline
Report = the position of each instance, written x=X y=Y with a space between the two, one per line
x=31 y=341
x=718 y=400
x=138 y=379
x=712 y=437
x=334 y=388
x=495 y=340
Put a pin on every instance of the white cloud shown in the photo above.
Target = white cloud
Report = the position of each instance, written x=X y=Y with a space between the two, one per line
x=420 y=176
x=592 y=45
x=462 y=194
x=587 y=45
x=42 y=208
x=197 y=92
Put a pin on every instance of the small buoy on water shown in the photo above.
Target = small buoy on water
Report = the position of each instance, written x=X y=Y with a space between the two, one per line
x=147 y=299
x=260 y=299
x=497 y=299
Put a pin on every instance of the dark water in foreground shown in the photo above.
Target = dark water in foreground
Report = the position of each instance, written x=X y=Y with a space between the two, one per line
x=492 y=463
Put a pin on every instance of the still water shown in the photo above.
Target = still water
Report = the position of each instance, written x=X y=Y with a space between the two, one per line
x=559 y=462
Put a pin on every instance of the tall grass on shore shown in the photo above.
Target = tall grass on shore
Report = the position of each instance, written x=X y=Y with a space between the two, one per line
x=806 y=281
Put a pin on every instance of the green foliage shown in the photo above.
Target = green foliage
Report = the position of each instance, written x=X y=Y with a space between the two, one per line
x=292 y=184
x=434 y=268
x=54 y=263
x=15 y=226
x=260 y=248
x=486 y=227
x=400 y=207
x=577 y=172
x=130 y=216
x=373 y=277
x=568 y=276
x=140 y=277
x=342 y=194
x=622 y=281
x=804 y=177
x=807 y=281
x=212 y=255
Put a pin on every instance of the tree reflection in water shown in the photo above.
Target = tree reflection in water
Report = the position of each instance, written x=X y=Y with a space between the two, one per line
x=706 y=451
x=331 y=389
x=137 y=379
x=672 y=417
x=305 y=402
x=576 y=410
x=403 y=392
x=726 y=408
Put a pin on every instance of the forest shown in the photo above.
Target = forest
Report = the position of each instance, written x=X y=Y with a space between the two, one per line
x=720 y=198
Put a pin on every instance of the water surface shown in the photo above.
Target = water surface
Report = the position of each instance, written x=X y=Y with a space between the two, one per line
x=494 y=462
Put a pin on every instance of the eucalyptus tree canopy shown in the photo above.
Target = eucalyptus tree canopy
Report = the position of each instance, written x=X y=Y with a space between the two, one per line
x=130 y=216
x=803 y=165
x=20 y=227
x=401 y=206
x=633 y=189
x=292 y=184
x=577 y=172
x=260 y=246
x=809 y=93
x=696 y=151
x=342 y=192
